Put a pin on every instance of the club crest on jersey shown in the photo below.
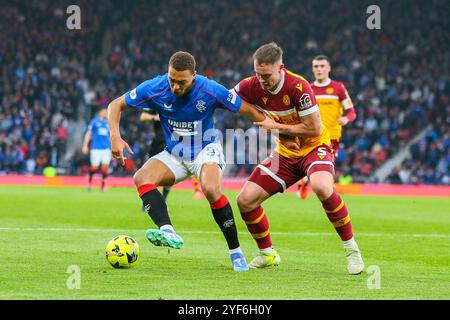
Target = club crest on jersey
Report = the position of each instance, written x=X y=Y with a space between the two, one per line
x=329 y=90
x=264 y=99
x=133 y=94
x=299 y=86
x=286 y=100
x=201 y=105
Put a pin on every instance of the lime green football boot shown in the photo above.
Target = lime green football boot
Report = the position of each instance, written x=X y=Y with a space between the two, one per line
x=263 y=260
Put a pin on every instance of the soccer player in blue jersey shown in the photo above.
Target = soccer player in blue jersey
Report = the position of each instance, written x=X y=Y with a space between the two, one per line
x=185 y=102
x=96 y=140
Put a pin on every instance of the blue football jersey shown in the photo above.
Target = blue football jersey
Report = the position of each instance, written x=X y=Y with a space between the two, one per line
x=100 y=134
x=187 y=121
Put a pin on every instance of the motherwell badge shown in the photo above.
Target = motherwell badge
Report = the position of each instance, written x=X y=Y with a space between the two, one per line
x=329 y=90
x=286 y=100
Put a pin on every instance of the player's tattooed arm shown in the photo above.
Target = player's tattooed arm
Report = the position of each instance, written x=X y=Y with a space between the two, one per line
x=311 y=126
x=115 y=109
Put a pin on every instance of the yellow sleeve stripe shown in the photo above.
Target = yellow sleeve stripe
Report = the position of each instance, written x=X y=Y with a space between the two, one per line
x=341 y=222
x=256 y=220
x=337 y=209
x=295 y=75
x=260 y=235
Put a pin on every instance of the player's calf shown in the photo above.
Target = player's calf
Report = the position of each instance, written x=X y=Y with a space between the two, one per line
x=337 y=213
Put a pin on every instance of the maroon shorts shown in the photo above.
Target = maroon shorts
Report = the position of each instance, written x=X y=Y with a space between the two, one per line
x=277 y=173
x=335 y=147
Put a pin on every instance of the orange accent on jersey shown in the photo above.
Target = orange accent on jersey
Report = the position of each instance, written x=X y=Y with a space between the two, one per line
x=330 y=98
x=295 y=75
x=264 y=100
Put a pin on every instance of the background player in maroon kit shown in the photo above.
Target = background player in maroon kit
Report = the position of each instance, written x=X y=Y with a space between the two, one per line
x=333 y=99
x=288 y=101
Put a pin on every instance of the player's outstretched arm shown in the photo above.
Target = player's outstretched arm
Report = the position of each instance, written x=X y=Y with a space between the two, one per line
x=311 y=126
x=115 y=109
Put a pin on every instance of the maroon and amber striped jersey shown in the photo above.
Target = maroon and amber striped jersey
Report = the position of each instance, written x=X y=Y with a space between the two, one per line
x=332 y=98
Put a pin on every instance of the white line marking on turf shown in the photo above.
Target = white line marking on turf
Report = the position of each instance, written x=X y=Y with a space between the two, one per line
x=312 y=234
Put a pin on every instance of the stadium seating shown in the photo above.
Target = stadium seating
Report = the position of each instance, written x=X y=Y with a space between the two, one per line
x=52 y=77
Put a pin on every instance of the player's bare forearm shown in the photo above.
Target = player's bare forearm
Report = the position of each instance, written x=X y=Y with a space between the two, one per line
x=311 y=126
x=115 y=109
x=251 y=112
x=87 y=139
x=117 y=143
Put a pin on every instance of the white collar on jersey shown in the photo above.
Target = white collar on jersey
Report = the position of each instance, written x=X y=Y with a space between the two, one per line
x=324 y=84
x=280 y=85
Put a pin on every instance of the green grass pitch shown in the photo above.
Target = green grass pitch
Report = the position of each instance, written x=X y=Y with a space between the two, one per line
x=45 y=230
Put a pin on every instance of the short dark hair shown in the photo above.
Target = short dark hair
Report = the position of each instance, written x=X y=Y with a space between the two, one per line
x=182 y=61
x=322 y=57
x=268 y=53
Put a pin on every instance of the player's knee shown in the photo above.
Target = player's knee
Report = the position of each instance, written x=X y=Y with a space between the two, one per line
x=140 y=177
x=211 y=192
x=322 y=189
x=137 y=177
x=246 y=202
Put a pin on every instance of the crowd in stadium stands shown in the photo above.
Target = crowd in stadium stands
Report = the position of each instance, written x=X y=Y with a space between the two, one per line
x=429 y=161
x=398 y=77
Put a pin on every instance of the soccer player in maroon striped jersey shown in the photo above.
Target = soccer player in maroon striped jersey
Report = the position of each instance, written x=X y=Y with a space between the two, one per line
x=290 y=106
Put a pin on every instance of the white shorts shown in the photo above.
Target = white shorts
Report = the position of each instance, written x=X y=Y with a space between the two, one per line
x=100 y=156
x=182 y=169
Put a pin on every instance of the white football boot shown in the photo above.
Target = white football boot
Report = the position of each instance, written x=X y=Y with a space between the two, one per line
x=355 y=263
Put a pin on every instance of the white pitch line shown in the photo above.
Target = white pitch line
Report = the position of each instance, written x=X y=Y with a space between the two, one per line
x=312 y=234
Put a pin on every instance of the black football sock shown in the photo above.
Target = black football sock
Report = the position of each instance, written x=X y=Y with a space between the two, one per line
x=165 y=192
x=223 y=214
x=154 y=204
